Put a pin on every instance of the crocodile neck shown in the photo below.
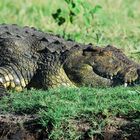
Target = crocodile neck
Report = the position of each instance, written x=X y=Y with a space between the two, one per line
x=56 y=78
x=52 y=72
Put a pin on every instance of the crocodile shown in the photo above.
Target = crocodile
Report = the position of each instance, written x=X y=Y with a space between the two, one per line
x=32 y=58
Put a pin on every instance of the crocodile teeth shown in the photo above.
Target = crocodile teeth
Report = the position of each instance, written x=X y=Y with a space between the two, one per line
x=111 y=77
x=125 y=84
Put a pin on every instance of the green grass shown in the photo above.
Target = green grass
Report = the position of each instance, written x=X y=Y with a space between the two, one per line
x=117 y=23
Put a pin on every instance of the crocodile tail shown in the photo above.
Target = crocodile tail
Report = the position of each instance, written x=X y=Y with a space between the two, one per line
x=12 y=78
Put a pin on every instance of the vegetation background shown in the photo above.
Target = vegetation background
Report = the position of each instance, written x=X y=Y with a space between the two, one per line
x=101 y=22
x=73 y=112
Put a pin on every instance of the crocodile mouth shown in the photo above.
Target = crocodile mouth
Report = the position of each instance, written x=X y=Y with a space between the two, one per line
x=128 y=75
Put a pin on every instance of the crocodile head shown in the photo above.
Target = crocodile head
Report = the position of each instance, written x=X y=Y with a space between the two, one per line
x=112 y=63
x=107 y=62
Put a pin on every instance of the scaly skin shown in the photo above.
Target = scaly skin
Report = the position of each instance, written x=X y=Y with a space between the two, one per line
x=31 y=58
x=80 y=71
x=18 y=63
x=112 y=63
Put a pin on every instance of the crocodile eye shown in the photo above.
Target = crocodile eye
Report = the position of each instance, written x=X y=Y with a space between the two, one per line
x=91 y=51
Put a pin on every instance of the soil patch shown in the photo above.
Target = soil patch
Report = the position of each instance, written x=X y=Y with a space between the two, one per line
x=25 y=127
x=20 y=127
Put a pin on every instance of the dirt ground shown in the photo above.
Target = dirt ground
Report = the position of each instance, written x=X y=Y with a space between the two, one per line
x=24 y=127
